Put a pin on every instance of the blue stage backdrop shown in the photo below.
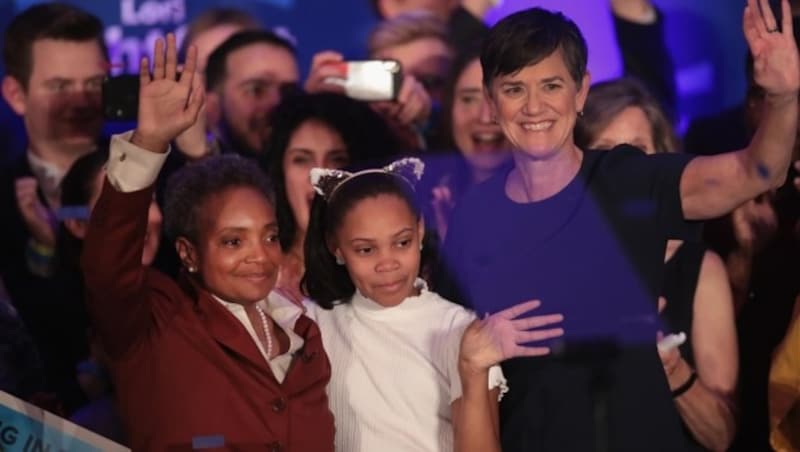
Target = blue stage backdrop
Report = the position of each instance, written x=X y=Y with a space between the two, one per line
x=704 y=37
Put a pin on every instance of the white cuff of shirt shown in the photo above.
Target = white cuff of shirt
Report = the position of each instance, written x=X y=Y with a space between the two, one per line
x=498 y=380
x=131 y=168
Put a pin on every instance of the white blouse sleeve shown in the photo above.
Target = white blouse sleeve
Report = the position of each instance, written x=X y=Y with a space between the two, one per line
x=496 y=377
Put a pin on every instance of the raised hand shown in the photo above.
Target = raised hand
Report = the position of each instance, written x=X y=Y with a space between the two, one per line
x=775 y=61
x=500 y=336
x=413 y=104
x=167 y=107
x=324 y=65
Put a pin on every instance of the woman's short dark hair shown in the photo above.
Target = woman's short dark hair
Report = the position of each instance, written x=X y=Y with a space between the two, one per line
x=529 y=36
x=367 y=138
x=77 y=189
x=608 y=99
x=325 y=281
x=191 y=186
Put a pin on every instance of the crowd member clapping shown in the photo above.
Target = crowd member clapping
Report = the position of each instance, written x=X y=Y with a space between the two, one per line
x=696 y=298
x=213 y=358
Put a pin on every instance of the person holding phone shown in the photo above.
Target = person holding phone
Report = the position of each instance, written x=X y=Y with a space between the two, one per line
x=417 y=42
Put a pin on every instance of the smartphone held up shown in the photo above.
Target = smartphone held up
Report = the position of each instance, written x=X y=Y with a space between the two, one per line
x=370 y=80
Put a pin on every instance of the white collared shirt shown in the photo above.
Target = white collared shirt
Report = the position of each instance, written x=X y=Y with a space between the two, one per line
x=285 y=314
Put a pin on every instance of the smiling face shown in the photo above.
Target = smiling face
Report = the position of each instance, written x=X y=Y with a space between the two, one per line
x=379 y=241
x=630 y=126
x=475 y=134
x=237 y=254
x=312 y=145
x=537 y=106
x=254 y=77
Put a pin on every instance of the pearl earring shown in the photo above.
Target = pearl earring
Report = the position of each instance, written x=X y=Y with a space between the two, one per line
x=339 y=260
x=192 y=269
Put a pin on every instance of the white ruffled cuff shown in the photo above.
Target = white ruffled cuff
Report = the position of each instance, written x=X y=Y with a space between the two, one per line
x=498 y=380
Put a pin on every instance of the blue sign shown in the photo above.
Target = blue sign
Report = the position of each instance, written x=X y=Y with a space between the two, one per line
x=26 y=428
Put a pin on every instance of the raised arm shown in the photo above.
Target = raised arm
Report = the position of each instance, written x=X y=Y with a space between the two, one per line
x=713 y=186
x=116 y=285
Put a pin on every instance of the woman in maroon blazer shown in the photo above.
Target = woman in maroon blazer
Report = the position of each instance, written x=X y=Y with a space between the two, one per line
x=214 y=360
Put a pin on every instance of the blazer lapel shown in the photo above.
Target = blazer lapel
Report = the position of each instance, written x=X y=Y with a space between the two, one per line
x=226 y=329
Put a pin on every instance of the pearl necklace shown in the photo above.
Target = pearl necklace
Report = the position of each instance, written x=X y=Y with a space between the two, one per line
x=265 y=325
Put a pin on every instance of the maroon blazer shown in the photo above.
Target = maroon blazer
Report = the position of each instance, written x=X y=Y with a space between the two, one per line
x=186 y=372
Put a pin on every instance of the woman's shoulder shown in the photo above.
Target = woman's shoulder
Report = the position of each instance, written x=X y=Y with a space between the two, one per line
x=317 y=313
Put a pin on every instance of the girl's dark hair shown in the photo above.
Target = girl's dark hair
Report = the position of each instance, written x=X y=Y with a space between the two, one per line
x=325 y=281
x=367 y=138
x=77 y=189
x=191 y=186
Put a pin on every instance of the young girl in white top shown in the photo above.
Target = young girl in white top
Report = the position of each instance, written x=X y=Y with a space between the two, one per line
x=393 y=344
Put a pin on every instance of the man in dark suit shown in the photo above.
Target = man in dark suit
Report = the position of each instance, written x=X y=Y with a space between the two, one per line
x=55 y=61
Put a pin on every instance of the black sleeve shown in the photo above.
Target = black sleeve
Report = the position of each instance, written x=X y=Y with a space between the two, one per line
x=658 y=179
x=668 y=170
x=645 y=56
x=465 y=29
x=445 y=277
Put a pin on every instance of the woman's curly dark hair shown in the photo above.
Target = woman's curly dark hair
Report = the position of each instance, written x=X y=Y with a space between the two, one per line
x=191 y=186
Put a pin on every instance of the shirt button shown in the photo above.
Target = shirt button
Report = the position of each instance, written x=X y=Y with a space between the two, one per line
x=122 y=157
x=278 y=405
x=276 y=447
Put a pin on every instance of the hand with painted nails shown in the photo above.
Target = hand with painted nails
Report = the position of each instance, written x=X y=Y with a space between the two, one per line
x=504 y=335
